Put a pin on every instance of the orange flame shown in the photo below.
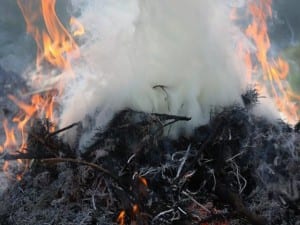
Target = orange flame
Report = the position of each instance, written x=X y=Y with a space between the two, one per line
x=275 y=71
x=56 y=47
x=12 y=145
x=10 y=136
x=54 y=43
x=143 y=180
x=121 y=217
x=39 y=107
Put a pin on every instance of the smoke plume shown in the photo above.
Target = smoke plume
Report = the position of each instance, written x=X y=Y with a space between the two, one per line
x=174 y=57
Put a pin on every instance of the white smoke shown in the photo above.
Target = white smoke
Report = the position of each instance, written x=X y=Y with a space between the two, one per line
x=133 y=45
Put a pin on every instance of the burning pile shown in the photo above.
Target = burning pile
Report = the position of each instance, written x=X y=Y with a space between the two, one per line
x=237 y=169
x=134 y=165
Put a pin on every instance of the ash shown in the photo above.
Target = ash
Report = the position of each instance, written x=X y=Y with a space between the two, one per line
x=237 y=169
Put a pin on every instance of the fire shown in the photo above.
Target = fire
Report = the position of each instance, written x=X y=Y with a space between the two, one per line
x=11 y=143
x=55 y=47
x=143 y=180
x=79 y=31
x=54 y=43
x=274 y=70
x=43 y=105
x=121 y=217
x=10 y=136
x=135 y=209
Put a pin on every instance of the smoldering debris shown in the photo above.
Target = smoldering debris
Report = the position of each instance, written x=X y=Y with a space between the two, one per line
x=237 y=169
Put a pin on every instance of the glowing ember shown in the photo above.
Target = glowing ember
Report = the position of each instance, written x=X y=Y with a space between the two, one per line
x=135 y=209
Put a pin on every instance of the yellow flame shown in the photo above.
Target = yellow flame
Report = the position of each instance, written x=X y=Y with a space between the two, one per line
x=79 y=31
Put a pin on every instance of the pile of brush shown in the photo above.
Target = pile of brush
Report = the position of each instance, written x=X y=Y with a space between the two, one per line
x=237 y=169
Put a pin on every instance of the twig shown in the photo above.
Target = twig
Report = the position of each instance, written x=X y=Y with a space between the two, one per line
x=204 y=147
x=174 y=120
x=163 y=88
x=94 y=166
x=10 y=157
x=77 y=161
x=215 y=218
x=171 y=117
x=161 y=214
x=238 y=176
x=235 y=156
x=196 y=202
x=183 y=160
x=236 y=202
x=182 y=211
x=63 y=129
x=212 y=172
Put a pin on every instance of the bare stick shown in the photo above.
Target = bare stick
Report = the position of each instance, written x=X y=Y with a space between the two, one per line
x=171 y=117
x=63 y=129
x=183 y=161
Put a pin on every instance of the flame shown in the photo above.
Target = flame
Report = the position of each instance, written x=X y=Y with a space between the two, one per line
x=121 y=217
x=134 y=212
x=55 y=48
x=54 y=43
x=143 y=180
x=274 y=70
x=11 y=143
x=80 y=28
x=10 y=136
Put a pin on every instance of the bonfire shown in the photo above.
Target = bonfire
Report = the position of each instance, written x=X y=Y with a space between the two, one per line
x=153 y=119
